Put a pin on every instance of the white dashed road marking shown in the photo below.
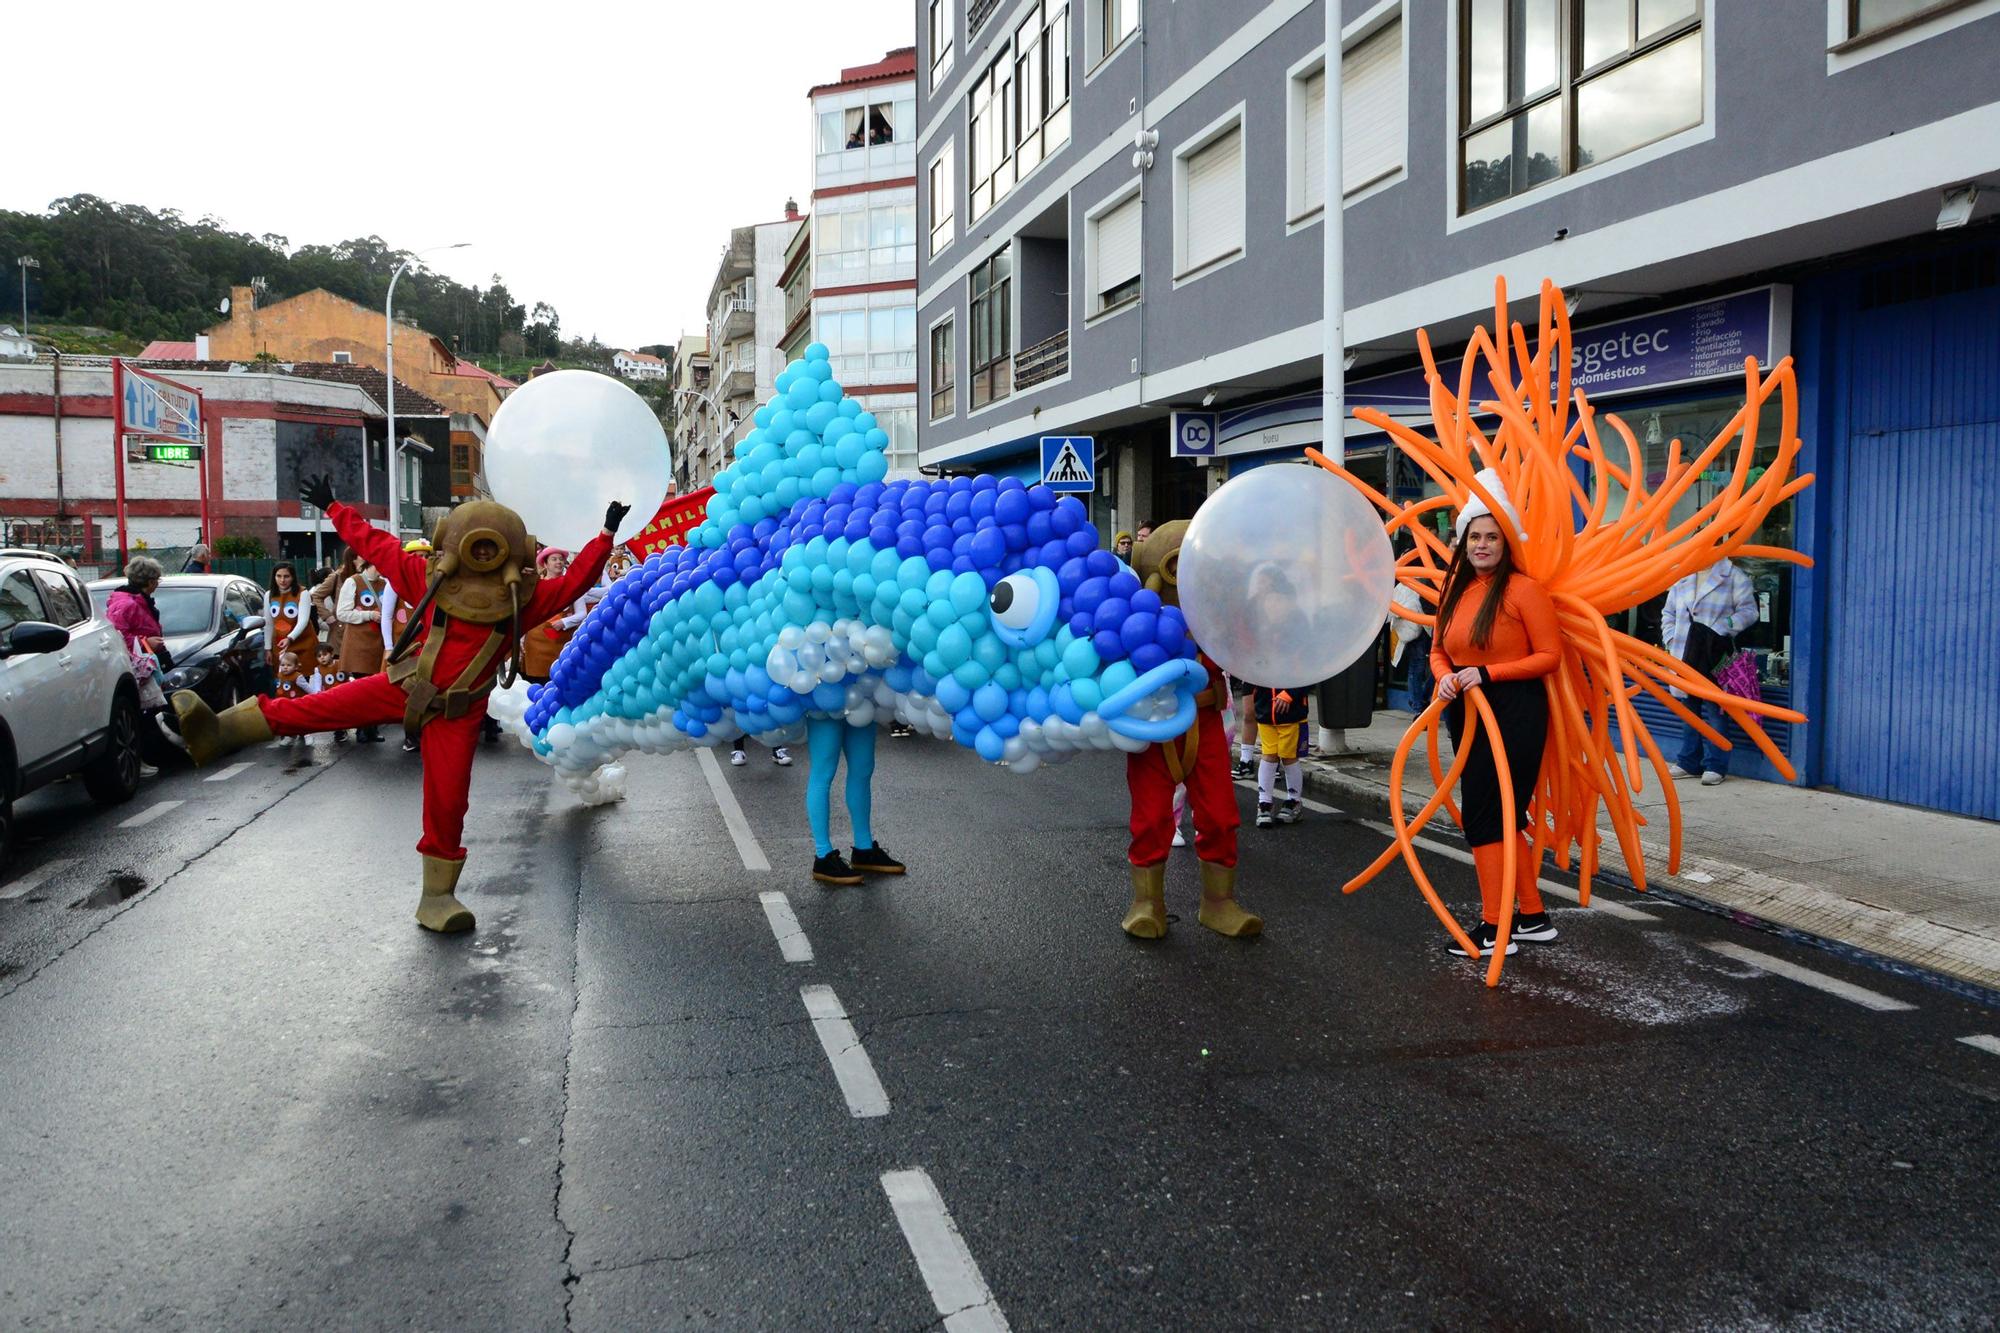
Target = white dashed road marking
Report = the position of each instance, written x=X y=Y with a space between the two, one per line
x=229 y=772
x=792 y=941
x=747 y=846
x=34 y=879
x=151 y=813
x=1991 y=1045
x=851 y=1066
x=1805 y=976
x=957 y=1288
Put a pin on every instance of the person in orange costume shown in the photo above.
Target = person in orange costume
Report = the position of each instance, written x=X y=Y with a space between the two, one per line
x=438 y=685
x=1501 y=634
x=1199 y=760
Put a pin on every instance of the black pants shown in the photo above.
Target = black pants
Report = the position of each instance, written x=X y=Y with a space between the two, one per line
x=1522 y=709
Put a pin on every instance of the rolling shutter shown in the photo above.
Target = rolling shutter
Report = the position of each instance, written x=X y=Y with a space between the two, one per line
x=1372 y=104
x=1214 y=200
x=1117 y=247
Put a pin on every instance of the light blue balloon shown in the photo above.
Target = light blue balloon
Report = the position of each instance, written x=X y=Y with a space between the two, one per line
x=872 y=467
x=848 y=452
x=830 y=390
x=968 y=594
x=817 y=417
x=989 y=745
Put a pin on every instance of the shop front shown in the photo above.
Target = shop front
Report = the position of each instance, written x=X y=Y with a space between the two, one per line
x=1673 y=374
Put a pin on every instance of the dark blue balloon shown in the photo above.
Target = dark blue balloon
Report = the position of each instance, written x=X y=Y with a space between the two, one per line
x=962 y=564
x=1083 y=543
x=1040 y=530
x=1011 y=506
x=985 y=482
x=1124 y=583
x=960 y=503
x=842 y=494
x=1079 y=623
x=988 y=547
x=1109 y=647
x=1090 y=594
x=1111 y=614
x=1139 y=629
x=938 y=557
x=937 y=537
x=1101 y=563
x=906 y=547
x=1147 y=656
x=982 y=502
x=1146 y=600
x=937 y=502
x=1014 y=536
x=1070 y=576
x=1042 y=498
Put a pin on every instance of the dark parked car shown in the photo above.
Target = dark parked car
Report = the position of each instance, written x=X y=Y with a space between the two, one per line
x=214 y=627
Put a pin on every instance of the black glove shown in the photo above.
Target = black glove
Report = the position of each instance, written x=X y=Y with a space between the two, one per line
x=614 y=514
x=317 y=492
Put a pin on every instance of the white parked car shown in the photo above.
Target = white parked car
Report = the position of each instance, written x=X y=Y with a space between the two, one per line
x=68 y=703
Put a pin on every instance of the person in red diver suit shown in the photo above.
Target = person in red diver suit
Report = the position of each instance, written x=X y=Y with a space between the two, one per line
x=480 y=587
x=1200 y=760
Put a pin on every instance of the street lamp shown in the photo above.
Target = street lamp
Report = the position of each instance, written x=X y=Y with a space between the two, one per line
x=389 y=338
x=26 y=262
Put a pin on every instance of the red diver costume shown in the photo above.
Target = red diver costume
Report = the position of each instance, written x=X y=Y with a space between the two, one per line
x=480 y=589
x=1198 y=759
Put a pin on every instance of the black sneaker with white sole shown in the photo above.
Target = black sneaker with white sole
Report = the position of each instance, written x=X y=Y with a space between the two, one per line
x=1264 y=814
x=1483 y=935
x=1535 y=929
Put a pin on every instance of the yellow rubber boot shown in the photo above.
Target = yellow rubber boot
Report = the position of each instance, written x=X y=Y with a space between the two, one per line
x=210 y=735
x=1147 y=919
x=439 y=909
x=1220 y=911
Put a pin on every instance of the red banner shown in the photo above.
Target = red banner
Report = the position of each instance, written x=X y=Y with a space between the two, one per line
x=679 y=515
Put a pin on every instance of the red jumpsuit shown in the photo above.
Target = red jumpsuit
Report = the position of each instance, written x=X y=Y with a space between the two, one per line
x=1211 y=790
x=448 y=742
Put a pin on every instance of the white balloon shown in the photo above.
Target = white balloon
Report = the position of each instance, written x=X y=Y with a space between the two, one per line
x=565 y=445
x=1285 y=575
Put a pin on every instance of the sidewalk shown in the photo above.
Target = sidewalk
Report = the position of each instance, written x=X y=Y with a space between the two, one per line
x=1913 y=886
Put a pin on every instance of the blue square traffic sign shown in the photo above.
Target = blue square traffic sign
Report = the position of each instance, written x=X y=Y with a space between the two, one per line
x=1069 y=463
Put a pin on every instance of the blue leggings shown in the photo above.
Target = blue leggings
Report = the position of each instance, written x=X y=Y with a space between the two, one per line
x=826 y=740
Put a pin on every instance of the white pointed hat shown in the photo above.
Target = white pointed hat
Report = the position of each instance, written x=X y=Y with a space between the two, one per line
x=1475 y=507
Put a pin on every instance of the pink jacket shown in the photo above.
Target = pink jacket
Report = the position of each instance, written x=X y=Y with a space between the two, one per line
x=131 y=617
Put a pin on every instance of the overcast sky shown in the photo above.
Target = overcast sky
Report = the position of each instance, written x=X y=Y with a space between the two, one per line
x=595 y=154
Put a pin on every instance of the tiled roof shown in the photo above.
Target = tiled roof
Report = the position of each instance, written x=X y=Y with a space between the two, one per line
x=161 y=350
x=409 y=402
x=480 y=372
x=644 y=357
x=900 y=63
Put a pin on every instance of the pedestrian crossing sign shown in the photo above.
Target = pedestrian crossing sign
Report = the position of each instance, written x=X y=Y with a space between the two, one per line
x=1069 y=463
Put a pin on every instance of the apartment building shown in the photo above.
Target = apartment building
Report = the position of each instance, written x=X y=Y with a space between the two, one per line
x=852 y=282
x=692 y=415
x=1121 y=203
x=745 y=323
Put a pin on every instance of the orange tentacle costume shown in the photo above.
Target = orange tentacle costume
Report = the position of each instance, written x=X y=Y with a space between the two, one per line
x=1593 y=569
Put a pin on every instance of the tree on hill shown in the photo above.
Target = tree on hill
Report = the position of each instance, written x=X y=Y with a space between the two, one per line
x=156 y=275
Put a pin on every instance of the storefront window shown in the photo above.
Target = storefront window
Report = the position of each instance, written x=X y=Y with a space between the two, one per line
x=1695 y=423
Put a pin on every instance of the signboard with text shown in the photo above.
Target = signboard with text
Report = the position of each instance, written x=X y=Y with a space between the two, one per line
x=1193 y=435
x=678 y=516
x=158 y=409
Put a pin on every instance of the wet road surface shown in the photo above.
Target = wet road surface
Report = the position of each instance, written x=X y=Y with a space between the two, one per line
x=659 y=1087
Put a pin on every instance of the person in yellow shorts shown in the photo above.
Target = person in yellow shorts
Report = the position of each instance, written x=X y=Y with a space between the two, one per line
x=1281 y=718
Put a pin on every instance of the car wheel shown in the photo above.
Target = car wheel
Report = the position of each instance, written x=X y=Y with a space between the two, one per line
x=113 y=776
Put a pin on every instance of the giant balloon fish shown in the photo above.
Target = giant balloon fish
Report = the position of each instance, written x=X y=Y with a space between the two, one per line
x=978 y=609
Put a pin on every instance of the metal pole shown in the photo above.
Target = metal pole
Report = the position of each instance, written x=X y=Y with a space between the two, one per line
x=389 y=336
x=1333 y=296
x=118 y=448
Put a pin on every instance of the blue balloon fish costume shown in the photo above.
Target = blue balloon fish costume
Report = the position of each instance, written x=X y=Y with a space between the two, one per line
x=817 y=596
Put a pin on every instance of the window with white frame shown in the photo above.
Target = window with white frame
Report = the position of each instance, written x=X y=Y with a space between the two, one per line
x=992 y=136
x=1208 y=199
x=1374 y=121
x=1549 y=87
x=900 y=424
x=944 y=371
x=943 y=192
x=892 y=235
x=1111 y=22
x=1041 y=82
x=940 y=39
x=1111 y=253
x=343 y=358
x=864 y=342
x=992 y=309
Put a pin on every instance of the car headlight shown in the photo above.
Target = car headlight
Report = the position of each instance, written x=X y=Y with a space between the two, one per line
x=188 y=677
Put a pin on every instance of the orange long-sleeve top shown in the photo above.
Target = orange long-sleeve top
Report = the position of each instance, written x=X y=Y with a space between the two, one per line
x=1526 y=642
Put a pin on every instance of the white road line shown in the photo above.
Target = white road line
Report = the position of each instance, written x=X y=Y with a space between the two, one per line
x=34 y=879
x=732 y=813
x=851 y=1066
x=1991 y=1045
x=151 y=813
x=229 y=772
x=1598 y=902
x=1805 y=976
x=957 y=1288
x=792 y=941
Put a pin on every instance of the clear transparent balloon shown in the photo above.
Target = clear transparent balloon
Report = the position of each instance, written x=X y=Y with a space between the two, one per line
x=565 y=445
x=1285 y=575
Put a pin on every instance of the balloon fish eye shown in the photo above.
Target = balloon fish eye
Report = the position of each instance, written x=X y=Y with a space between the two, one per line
x=1015 y=601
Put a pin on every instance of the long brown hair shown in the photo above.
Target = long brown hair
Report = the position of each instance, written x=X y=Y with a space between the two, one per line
x=1460 y=575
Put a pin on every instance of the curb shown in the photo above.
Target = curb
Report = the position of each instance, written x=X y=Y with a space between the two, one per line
x=1331 y=784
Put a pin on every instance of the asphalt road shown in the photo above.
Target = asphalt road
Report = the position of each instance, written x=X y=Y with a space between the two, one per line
x=240 y=1089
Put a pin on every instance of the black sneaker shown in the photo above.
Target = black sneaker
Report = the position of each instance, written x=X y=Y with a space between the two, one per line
x=833 y=869
x=1484 y=936
x=1263 y=814
x=876 y=861
x=1536 y=929
x=902 y=729
x=1289 y=812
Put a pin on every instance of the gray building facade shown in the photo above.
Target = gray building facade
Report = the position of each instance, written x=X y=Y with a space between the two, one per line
x=1136 y=231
